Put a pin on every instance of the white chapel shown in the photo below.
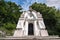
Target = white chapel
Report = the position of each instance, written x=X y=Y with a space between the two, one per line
x=30 y=24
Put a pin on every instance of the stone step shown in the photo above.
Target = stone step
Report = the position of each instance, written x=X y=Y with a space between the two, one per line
x=31 y=38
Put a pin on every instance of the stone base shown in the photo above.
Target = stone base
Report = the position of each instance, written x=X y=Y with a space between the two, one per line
x=44 y=33
x=31 y=38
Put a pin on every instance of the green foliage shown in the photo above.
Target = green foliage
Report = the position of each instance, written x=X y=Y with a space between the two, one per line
x=9 y=26
x=9 y=15
x=51 y=17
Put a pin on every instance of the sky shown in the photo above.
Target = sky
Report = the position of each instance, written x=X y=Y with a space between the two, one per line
x=26 y=3
x=55 y=3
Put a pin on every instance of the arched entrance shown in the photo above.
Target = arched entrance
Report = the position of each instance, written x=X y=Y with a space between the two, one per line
x=30 y=29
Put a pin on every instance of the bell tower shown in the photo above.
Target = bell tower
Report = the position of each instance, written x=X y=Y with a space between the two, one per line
x=30 y=23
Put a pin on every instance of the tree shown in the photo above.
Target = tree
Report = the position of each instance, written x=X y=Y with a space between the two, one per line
x=50 y=16
x=9 y=15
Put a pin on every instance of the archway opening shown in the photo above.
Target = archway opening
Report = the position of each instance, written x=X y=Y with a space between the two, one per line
x=30 y=29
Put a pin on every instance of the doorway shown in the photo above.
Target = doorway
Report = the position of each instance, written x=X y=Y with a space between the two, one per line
x=30 y=29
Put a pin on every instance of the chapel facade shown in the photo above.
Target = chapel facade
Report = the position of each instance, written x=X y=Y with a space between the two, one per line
x=30 y=23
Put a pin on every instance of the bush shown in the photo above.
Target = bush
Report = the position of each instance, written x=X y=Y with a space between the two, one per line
x=10 y=26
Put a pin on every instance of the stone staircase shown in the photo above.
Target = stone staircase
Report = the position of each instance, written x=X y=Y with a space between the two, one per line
x=31 y=38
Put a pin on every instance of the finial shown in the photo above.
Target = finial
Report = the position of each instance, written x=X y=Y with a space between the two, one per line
x=30 y=9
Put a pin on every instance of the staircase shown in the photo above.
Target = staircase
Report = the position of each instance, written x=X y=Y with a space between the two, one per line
x=31 y=38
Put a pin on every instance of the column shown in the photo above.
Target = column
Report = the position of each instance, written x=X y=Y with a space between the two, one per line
x=36 y=30
x=26 y=29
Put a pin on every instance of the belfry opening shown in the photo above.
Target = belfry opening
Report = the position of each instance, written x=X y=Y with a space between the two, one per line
x=30 y=29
